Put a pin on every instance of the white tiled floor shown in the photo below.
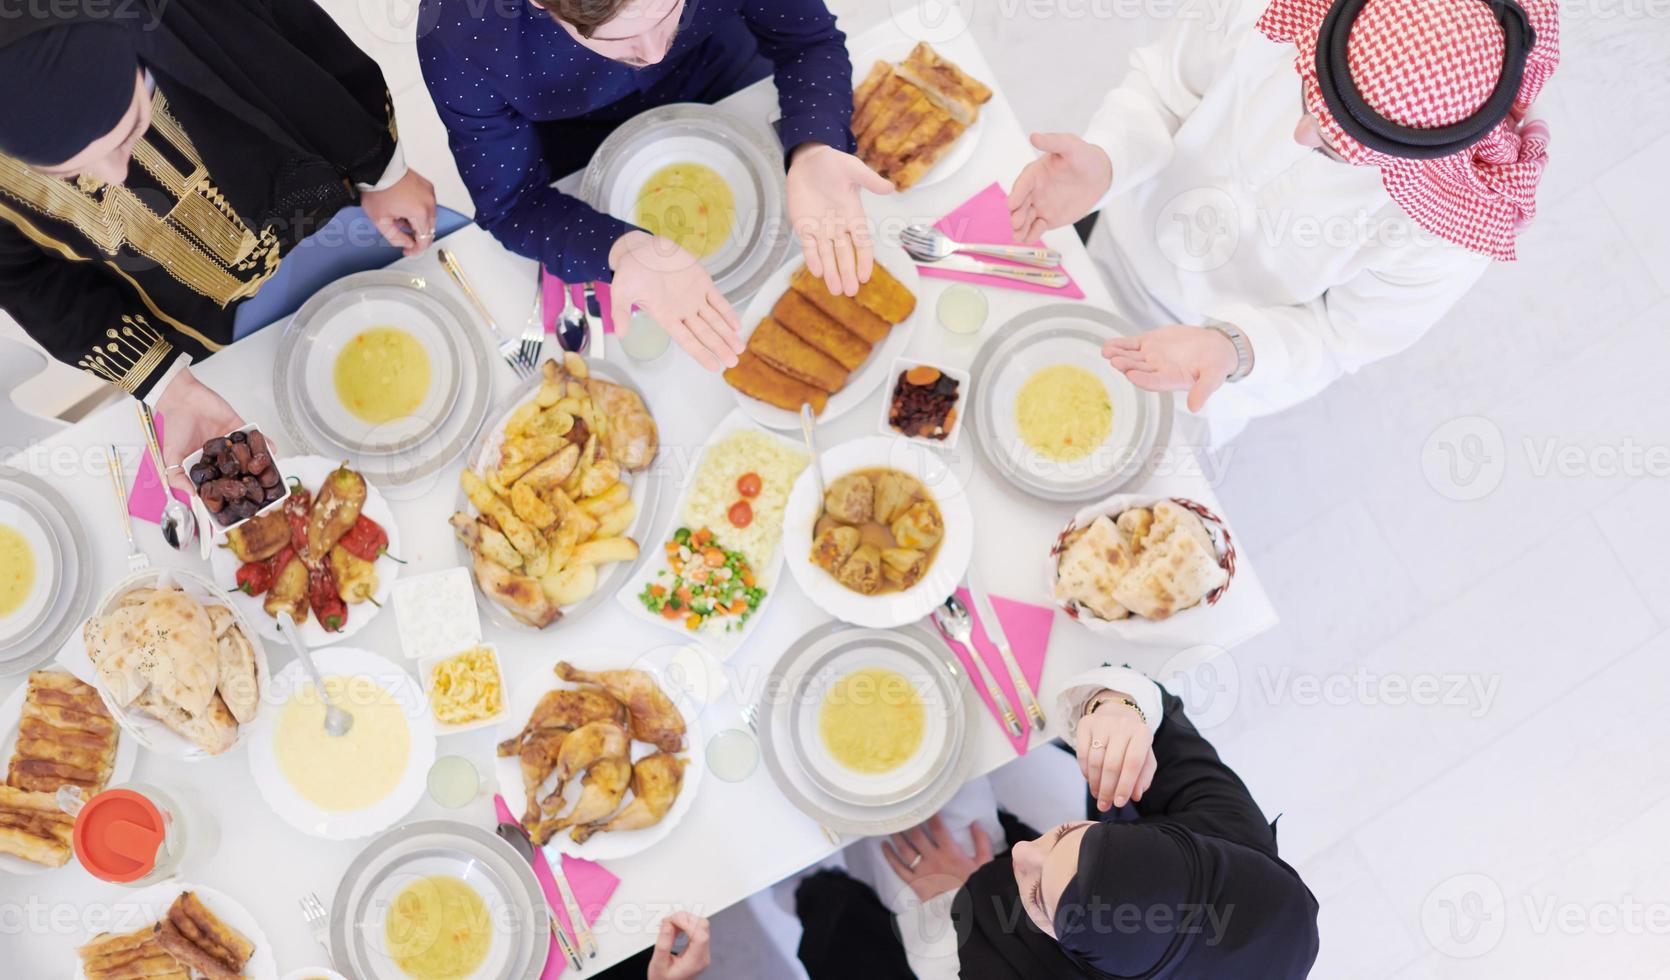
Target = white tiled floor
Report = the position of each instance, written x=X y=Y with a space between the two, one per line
x=1515 y=829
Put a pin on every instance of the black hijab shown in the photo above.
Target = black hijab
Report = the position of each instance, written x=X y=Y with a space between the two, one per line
x=1150 y=901
x=275 y=123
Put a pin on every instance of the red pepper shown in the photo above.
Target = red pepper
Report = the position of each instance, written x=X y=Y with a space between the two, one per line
x=366 y=540
x=322 y=595
x=255 y=577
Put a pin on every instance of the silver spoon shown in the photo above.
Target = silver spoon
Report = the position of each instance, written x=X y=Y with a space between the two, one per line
x=931 y=245
x=337 y=721
x=177 y=524
x=573 y=332
x=953 y=621
x=807 y=423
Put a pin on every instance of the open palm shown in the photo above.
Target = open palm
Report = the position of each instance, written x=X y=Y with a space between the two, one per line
x=1174 y=358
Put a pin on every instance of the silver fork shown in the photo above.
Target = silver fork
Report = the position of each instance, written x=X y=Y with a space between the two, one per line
x=138 y=561
x=929 y=244
x=509 y=348
x=314 y=914
x=533 y=335
x=751 y=718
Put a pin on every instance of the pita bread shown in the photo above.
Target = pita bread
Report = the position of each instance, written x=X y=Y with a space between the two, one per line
x=163 y=645
x=1090 y=569
x=237 y=682
x=1171 y=575
x=214 y=731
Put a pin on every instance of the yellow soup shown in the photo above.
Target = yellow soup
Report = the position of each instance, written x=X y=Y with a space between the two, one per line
x=17 y=570
x=346 y=772
x=872 y=720
x=438 y=928
x=1063 y=412
x=690 y=204
x=382 y=375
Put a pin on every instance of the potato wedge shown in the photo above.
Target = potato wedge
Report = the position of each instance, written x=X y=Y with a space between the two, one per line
x=520 y=419
x=588 y=455
x=562 y=542
x=615 y=522
x=585 y=525
x=522 y=537
x=606 y=550
x=575 y=365
x=613 y=498
x=494 y=546
x=599 y=477
x=552 y=471
x=527 y=505
x=549 y=393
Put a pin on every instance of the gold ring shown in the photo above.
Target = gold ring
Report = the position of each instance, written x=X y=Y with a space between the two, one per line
x=1097 y=743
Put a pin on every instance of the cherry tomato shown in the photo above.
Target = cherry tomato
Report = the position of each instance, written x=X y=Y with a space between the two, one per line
x=741 y=515
x=748 y=484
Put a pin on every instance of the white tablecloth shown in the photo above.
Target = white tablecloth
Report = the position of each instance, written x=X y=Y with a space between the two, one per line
x=737 y=838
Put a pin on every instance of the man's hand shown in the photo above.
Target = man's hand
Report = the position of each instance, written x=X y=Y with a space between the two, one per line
x=192 y=414
x=828 y=215
x=663 y=965
x=1175 y=358
x=1115 y=751
x=930 y=862
x=404 y=212
x=1059 y=187
x=671 y=285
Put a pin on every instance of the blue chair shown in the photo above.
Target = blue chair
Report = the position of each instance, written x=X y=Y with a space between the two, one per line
x=347 y=244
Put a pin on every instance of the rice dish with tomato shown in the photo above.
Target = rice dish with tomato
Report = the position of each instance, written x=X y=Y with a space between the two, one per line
x=715 y=494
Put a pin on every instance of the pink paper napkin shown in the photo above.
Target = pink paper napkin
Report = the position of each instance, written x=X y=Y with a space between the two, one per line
x=984 y=219
x=592 y=885
x=554 y=300
x=146 y=497
x=1028 y=628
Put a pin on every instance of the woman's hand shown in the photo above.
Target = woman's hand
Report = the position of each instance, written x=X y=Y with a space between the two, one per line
x=1059 y=187
x=192 y=414
x=1174 y=358
x=827 y=214
x=663 y=965
x=930 y=862
x=1115 y=750
x=404 y=212
x=671 y=285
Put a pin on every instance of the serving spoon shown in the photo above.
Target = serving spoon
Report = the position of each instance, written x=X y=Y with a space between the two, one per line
x=337 y=721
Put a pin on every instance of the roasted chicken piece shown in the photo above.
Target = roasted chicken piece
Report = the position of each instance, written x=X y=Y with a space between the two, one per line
x=602 y=789
x=920 y=526
x=903 y=567
x=564 y=708
x=862 y=571
x=654 y=717
x=850 y=499
x=655 y=784
x=834 y=546
x=632 y=438
x=537 y=756
x=583 y=747
x=520 y=595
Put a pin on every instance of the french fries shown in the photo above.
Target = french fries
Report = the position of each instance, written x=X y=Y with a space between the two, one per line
x=554 y=508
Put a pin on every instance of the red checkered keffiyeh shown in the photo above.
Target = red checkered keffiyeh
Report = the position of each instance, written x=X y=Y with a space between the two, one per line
x=1427 y=64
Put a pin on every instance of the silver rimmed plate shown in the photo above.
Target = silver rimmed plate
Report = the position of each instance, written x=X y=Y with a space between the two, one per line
x=1064 y=333
x=407 y=854
x=779 y=747
x=62 y=572
x=649 y=490
x=453 y=406
x=744 y=154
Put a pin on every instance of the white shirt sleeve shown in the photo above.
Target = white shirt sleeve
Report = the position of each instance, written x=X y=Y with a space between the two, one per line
x=392 y=173
x=180 y=363
x=1299 y=350
x=1071 y=698
x=1137 y=121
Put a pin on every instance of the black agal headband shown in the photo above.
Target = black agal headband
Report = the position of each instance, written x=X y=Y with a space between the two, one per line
x=1363 y=124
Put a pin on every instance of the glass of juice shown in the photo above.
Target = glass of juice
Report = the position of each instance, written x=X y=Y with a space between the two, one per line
x=732 y=755
x=454 y=781
x=962 y=308
x=644 y=339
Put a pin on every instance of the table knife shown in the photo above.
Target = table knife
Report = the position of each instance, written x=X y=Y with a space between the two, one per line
x=1049 y=278
x=576 y=916
x=594 y=322
x=994 y=632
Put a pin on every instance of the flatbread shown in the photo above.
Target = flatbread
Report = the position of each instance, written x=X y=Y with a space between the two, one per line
x=164 y=644
x=237 y=683
x=1171 y=575
x=1090 y=569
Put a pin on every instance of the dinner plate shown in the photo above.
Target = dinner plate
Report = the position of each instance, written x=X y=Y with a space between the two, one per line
x=401 y=453
x=941 y=714
x=133 y=910
x=60 y=599
x=949 y=565
x=307 y=816
x=712 y=637
x=875 y=371
x=1064 y=333
x=745 y=153
x=893 y=50
x=146 y=730
x=11 y=711
x=777 y=740
x=649 y=488
x=505 y=882
x=312 y=472
x=615 y=844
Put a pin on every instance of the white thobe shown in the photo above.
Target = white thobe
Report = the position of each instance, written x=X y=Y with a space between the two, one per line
x=1216 y=213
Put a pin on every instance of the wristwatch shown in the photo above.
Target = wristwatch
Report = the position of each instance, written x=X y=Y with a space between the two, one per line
x=1243 y=349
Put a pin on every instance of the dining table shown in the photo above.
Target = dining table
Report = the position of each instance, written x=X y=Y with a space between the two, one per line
x=738 y=837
